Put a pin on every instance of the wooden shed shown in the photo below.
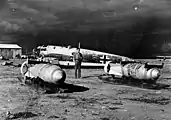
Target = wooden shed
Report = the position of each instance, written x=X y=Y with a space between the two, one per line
x=10 y=51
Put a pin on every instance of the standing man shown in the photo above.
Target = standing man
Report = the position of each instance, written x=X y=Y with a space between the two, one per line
x=77 y=57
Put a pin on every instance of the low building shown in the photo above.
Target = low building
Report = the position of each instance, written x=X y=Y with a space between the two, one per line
x=9 y=51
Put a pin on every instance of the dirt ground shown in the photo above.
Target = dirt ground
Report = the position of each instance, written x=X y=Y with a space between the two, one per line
x=90 y=99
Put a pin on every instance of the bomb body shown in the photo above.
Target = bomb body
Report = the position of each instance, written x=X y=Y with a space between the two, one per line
x=132 y=70
x=47 y=72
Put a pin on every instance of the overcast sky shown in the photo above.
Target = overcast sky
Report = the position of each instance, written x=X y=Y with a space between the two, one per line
x=117 y=26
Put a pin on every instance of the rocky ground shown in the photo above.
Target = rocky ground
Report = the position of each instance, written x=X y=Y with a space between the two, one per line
x=89 y=99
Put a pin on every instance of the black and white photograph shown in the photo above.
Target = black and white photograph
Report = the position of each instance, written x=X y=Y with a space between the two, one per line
x=85 y=60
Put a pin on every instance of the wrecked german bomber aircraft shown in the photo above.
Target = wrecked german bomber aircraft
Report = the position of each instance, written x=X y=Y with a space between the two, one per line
x=144 y=73
x=42 y=73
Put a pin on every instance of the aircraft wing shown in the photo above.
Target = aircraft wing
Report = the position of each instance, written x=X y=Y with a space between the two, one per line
x=84 y=64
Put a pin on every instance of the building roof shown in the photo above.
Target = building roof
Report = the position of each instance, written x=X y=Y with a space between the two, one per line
x=9 y=46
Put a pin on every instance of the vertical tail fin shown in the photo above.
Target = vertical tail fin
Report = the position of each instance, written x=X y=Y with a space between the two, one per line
x=79 y=45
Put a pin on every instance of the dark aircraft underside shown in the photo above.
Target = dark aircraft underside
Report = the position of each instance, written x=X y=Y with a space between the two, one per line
x=128 y=27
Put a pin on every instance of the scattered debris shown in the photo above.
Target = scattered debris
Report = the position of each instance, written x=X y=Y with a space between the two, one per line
x=23 y=115
x=114 y=107
x=62 y=96
x=51 y=117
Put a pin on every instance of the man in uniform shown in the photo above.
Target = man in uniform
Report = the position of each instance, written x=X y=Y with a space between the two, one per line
x=77 y=57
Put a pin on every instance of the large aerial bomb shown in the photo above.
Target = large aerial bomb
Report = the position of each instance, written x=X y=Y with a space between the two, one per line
x=137 y=71
x=47 y=72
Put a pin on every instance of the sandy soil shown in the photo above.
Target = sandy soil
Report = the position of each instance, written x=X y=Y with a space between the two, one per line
x=89 y=99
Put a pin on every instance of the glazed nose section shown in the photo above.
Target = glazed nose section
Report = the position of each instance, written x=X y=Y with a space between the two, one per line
x=59 y=75
x=155 y=74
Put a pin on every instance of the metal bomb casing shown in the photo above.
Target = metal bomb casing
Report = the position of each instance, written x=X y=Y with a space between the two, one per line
x=139 y=71
x=132 y=70
x=47 y=72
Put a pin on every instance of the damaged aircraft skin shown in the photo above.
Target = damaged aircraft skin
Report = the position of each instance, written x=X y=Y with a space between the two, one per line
x=127 y=27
